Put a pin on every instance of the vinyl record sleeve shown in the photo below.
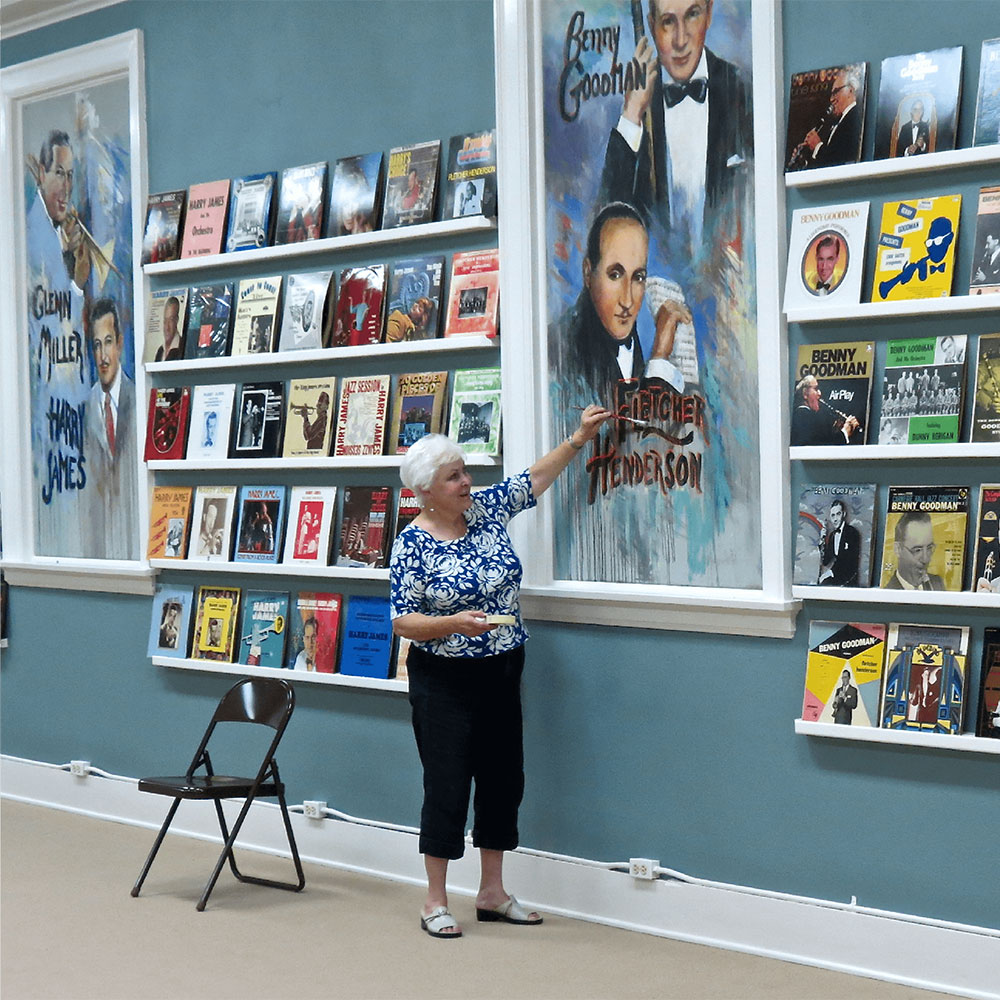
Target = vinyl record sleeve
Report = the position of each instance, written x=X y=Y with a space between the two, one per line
x=212 y=523
x=208 y=321
x=356 y=195
x=361 y=417
x=474 y=294
x=258 y=420
x=986 y=400
x=255 y=327
x=251 y=212
x=915 y=257
x=169 y=522
x=818 y=105
x=826 y=256
x=843 y=374
x=475 y=410
x=367 y=637
x=164 y=221
x=926 y=676
x=301 y=204
x=167 y=423
x=205 y=221
x=988 y=715
x=211 y=416
x=311 y=513
x=471 y=176
x=922 y=390
x=314 y=627
x=985 y=276
x=364 y=527
x=360 y=302
x=261 y=523
x=825 y=512
x=986 y=563
x=215 y=624
x=839 y=648
x=309 y=418
x=930 y=555
x=918 y=100
x=988 y=96
x=414 y=299
x=411 y=184
x=166 y=315
x=418 y=408
x=170 y=624
x=263 y=629
x=407 y=509
x=303 y=317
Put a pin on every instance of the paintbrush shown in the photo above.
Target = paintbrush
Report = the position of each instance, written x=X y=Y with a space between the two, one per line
x=619 y=416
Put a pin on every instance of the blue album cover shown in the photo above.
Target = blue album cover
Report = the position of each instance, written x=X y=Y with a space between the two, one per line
x=367 y=643
x=170 y=625
x=251 y=212
x=356 y=195
x=261 y=523
x=263 y=629
x=414 y=311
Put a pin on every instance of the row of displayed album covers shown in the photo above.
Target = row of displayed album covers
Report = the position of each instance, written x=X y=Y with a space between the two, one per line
x=918 y=102
x=915 y=254
x=912 y=678
x=297 y=419
x=923 y=392
x=304 y=311
x=924 y=537
x=272 y=524
x=309 y=631
x=262 y=210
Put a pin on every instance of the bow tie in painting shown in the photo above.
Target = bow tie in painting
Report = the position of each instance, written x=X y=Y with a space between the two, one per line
x=695 y=89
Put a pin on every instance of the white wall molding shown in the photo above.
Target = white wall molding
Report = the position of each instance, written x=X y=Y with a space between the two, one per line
x=956 y=959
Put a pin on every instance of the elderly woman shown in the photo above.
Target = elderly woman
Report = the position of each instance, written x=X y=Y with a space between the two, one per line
x=455 y=580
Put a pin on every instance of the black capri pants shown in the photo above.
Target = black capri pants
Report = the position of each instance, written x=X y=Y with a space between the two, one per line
x=467 y=721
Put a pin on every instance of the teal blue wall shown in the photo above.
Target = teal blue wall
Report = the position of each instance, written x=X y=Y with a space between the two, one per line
x=669 y=745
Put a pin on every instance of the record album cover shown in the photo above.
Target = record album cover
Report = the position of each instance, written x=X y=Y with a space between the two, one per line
x=215 y=624
x=263 y=629
x=986 y=562
x=924 y=542
x=360 y=301
x=212 y=523
x=309 y=421
x=418 y=408
x=208 y=321
x=475 y=410
x=311 y=512
x=258 y=420
x=988 y=716
x=985 y=277
x=211 y=416
x=926 y=676
x=918 y=100
x=205 y=220
x=831 y=393
x=367 y=637
x=835 y=532
x=471 y=176
x=922 y=390
x=915 y=257
x=364 y=527
x=844 y=673
x=411 y=184
x=356 y=195
x=314 y=627
x=164 y=222
x=169 y=521
x=362 y=412
x=251 y=212
x=261 y=527
x=988 y=96
x=255 y=327
x=986 y=403
x=167 y=423
x=304 y=315
x=166 y=312
x=826 y=256
x=474 y=294
x=301 y=202
x=414 y=307
x=170 y=625
x=826 y=114
x=407 y=510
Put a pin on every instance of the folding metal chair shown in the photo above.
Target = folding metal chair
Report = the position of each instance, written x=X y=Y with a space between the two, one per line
x=261 y=700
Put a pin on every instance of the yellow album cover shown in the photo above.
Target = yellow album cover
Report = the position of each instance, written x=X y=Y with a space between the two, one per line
x=309 y=418
x=844 y=673
x=169 y=517
x=215 y=627
x=915 y=258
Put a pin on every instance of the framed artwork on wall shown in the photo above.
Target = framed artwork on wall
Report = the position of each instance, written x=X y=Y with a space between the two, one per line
x=74 y=183
x=639 y=140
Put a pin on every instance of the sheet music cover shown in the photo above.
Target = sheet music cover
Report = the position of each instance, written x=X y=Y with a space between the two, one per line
x=212 y=523
x=826 y=256
x=314 y=627
x=364 y=403
x=255 y=328
x=356 y=195
x=303 y=318
x=205 y=222
x=208 y=321
x=169 y=519
x=411 y=184
x=471 y=176
x=167 y=423
x=300 y=204
x=164 y=222
x=309 y=419
x=844 y=673
x=310 y=520
x=251 y=212
x=414 y=309
x=475 y=410
x=359 y=306
x=170 y=624
x=215 y=624
x=211 y=417
x=263 y=629
x=166 y=312
x=261 y=523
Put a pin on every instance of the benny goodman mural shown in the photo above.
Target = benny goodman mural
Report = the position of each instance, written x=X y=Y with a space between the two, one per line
x=651 y=296
x=78 y=241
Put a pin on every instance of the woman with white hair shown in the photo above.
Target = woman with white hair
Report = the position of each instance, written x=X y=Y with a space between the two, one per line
x=454 y=593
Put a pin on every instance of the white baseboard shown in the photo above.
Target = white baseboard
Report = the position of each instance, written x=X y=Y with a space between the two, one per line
x=961 y=961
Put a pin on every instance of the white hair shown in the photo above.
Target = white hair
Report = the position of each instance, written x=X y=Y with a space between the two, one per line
x=424 y=458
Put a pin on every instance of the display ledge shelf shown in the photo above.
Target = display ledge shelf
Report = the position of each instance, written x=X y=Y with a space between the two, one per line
x=946 y=160
x=946 y=305
x=879 y=595
x=271 y=569
x=309 y=248
x=439 y=345
x=878 y=452
x=867 y=734
x=322 y=462
x=337 y=680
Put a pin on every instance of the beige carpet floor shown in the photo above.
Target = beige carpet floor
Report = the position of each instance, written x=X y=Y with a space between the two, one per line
x=69 y=930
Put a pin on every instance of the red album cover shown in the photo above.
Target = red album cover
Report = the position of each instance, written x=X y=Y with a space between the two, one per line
x=474 y=297
x=167 y=423
x=359 y=306
x=363 y=531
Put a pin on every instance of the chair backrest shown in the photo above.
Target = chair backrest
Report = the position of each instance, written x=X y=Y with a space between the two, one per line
x=267 y=701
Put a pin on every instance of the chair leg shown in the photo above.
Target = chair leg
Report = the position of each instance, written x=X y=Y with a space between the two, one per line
x=155 y=848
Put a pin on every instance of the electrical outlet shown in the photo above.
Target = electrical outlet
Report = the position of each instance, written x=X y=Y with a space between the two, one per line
x=313 y=809
x=79 y=768
x=642 y=868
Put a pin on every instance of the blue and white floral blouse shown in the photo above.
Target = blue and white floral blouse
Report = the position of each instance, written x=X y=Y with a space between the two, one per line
x=478 y=572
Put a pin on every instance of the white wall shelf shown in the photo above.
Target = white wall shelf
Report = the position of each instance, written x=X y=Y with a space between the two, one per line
x=880 y=452
x=894 y=167
x=271 y=569
x=295 y=676
x=869 y=311
x=935 y=741
x=879 y=595
x=317 y=462
x=311 y=248
x=440 y=345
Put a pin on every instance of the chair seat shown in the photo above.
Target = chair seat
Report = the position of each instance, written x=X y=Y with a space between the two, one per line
x=200 y=786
